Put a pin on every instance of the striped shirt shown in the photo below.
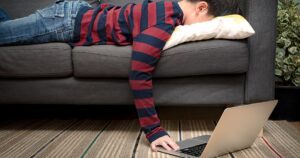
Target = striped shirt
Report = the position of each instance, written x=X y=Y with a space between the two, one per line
x=147 y=27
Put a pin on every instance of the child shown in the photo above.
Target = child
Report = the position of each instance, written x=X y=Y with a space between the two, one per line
x=146 y=26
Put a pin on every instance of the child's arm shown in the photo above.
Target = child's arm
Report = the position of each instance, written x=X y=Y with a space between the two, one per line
x=146 y=52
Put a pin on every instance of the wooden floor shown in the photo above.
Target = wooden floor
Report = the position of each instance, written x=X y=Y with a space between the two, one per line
x=91 y=138
x=85 y=137
x=296 y=124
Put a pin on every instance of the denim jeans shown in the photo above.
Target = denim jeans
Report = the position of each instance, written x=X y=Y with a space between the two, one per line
x=3 y=16
x=54 y=23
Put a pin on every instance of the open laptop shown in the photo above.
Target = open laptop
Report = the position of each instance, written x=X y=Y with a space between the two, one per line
x=237 y=129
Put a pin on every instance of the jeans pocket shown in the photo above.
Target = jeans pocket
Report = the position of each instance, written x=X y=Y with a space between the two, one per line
x=48 y=12
x=53 y=11
x=51 y=18
x=60 y=9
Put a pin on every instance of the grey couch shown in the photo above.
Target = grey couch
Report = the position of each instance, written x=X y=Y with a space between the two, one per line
x=211 y=72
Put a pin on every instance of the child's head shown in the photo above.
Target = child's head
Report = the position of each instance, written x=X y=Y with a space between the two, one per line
x=204 y=10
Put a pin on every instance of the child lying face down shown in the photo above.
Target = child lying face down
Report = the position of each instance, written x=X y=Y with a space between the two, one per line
x=146 y=26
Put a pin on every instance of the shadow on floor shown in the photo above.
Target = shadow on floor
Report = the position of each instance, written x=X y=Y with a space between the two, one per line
x=113 y=112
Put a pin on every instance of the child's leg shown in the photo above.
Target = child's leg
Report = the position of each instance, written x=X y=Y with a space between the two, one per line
x=3 y=16
x=51 y=24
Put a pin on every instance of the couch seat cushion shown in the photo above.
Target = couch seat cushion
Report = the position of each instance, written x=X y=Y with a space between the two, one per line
x=195 y=58
x=39 y=60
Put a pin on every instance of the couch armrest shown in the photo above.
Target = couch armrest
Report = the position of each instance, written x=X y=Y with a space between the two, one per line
x=262 y=15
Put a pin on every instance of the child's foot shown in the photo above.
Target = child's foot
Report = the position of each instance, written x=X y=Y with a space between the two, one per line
x=3 y=16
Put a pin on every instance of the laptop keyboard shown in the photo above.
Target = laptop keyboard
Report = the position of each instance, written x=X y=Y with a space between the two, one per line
x=194 y=150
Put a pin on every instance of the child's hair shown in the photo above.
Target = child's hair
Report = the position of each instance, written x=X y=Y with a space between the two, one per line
x=221 y=7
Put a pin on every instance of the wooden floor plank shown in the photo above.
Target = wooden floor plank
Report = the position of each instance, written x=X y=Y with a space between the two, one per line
x=283 y=138
x=12 y=135
x=296 y=124
x=124 y=138
x=74 y=141
x=8 y=128
x=117 y=140
x=27 y=141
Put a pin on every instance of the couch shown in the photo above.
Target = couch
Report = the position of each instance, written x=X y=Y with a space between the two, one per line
x=211 y=72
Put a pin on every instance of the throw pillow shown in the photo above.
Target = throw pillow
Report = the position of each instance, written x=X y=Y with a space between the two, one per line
x=232 y=26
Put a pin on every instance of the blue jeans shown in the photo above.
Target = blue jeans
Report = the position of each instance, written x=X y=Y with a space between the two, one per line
x=54 y=23
x=3 y=16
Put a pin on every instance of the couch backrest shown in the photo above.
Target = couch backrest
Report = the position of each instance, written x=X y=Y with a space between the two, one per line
x=20 y=8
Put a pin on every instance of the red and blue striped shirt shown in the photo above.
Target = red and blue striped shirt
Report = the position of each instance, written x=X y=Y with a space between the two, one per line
x=147 y=27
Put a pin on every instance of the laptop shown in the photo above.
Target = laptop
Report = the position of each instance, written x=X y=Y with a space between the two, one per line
x=237 y=129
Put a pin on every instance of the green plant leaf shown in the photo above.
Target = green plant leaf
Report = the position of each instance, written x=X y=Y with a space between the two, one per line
x=293 y=50
x=287 y=43
x=287 y=59
x=280 y=53
x=296 y=81
x=281 y=42
x=298 y=71
x=291 y=68
x=285 y=34
x=296 y=60
x=287 y=77
x=278 y=72
x=284 y=69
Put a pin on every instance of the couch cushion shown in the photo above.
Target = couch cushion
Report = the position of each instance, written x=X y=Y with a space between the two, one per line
x=212 y=90
x=195 y=58
x=41 y=60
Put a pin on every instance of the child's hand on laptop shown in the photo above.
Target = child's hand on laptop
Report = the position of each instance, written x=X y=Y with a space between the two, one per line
x=166 y=142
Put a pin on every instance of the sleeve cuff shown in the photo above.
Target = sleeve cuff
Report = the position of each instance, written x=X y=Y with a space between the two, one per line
x=155 y=134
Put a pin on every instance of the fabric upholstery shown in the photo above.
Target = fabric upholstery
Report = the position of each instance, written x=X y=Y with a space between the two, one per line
x=260 y=84
x=197 y=58
x=12 y=7
x=41 y=60
x=256 y=84
x=195 y=91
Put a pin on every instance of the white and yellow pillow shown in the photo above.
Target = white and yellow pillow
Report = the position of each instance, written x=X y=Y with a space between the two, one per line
x=232 y=26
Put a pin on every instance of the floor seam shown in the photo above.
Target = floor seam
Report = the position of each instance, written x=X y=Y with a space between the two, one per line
x=180 y=137
x=94 y=140
x=43 y=147
x=136 y=143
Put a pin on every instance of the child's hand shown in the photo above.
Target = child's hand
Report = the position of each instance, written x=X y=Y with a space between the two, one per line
x=166 y=142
